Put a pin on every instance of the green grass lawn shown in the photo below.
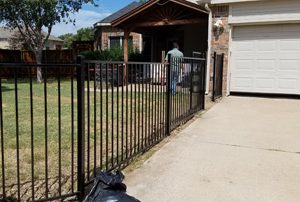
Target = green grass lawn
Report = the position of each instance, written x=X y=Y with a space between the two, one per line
x=135 y=104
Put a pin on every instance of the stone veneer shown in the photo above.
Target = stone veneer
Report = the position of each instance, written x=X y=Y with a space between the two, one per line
x=220 y=44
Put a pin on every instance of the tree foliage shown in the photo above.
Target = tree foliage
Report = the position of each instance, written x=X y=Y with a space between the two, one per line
x=83 y=34
x=68 y=39
x=30 y=17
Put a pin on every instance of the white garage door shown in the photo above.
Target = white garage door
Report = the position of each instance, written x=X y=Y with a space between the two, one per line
x=266 y=59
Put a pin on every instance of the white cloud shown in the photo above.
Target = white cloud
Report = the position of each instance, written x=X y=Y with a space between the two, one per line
x=84 y=18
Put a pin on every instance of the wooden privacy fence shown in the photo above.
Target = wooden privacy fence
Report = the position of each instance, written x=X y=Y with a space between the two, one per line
x=27 y=57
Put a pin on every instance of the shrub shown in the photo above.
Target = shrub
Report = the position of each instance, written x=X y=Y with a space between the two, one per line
x=114 y=54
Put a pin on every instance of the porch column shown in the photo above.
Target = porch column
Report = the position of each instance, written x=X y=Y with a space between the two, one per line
x=125 y=45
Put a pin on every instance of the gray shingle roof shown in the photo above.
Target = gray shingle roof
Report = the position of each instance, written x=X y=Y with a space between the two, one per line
x=120 y=12
x=54 y=38
x=8 y=33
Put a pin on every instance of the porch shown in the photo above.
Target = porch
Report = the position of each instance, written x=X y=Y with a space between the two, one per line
x=162 y=22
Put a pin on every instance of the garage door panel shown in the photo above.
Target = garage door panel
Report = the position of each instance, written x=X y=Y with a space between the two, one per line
x=265 y=65
x=243 y=46
x=289 y=45
x=287 y=65
x=268 y=45
x=288 y=55
x=266 y=59
x=245 y=55
x=265 y=83
x=244 y=82
x=244 y=64
x=290 y=84
x=266 y=55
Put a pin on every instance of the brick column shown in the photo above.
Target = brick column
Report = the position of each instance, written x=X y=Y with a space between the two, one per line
x=220 y=43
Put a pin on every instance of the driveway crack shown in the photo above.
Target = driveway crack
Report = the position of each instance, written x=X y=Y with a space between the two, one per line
x=249 y=147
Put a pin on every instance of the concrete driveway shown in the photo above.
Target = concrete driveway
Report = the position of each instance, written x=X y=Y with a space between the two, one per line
x=243 y=149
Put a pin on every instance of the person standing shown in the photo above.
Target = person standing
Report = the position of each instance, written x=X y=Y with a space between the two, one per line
x=175 y=64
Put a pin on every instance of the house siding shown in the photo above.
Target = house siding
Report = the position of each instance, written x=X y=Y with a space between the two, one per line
x=276 y=11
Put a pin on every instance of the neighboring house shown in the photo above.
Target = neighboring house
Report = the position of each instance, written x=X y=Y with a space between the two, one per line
x=7 y=35
x=107 y=37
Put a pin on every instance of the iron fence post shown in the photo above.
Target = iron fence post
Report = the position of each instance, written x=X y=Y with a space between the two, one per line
x=214 y=77
x=204 y=79
x=168 y=97
x=191 y=84
x=222 y=73
x=80 y=127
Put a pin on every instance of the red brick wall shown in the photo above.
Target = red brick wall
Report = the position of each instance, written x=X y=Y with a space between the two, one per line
x=220 y=43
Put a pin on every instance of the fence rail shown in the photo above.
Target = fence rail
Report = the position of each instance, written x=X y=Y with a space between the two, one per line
x=57 y=135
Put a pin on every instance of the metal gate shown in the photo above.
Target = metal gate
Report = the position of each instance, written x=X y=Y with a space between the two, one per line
x=218 y=76
x=186 y=87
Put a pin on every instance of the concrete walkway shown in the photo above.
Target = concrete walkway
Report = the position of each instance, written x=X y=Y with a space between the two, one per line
x=243 y=149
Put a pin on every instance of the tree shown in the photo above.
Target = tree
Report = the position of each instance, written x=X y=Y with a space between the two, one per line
x=68 y=39
x=85 y=34
x=30 y=17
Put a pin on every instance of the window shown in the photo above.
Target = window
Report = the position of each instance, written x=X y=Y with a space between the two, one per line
x=221 y=11
x=118 y=41
x=115 y=42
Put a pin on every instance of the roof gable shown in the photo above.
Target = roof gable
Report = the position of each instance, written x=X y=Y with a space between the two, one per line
x=152 y=3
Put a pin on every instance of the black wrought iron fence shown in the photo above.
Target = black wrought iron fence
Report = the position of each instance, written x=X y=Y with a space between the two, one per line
x=218 y=76
x=57 y=135
x=38 y=133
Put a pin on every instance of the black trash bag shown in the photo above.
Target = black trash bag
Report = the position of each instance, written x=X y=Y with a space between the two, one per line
x=108 y=187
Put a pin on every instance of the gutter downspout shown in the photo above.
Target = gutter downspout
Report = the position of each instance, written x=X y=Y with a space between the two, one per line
x=208 y=57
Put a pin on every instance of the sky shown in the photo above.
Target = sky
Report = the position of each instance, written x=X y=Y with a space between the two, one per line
x=90 y=15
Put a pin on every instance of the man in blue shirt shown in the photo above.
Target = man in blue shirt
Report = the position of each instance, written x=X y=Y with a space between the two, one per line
x=175 y=64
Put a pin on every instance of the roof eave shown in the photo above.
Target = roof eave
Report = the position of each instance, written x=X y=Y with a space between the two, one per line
x=221 y=2
x=150 y=3
x=102 y=24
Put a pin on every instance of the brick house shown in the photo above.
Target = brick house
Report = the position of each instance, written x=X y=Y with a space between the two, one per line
x=259 y=38
x=107 y=37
